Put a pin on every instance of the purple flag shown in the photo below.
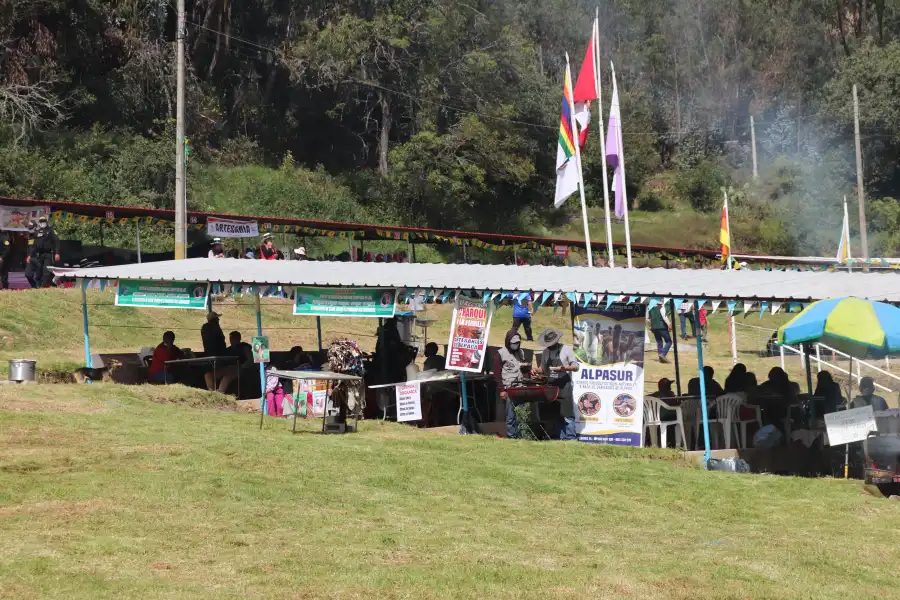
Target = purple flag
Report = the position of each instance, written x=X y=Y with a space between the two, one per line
x=615 y=154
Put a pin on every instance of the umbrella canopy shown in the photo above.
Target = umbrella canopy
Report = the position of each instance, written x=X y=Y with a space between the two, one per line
x=852 y=325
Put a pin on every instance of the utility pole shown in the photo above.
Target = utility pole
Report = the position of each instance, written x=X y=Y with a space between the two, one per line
x=860 y=190
x=180 y=197
x=753 y=143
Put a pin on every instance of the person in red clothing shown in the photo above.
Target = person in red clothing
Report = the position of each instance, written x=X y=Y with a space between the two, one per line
x=701 y=319
x=166 y=351
x=268 y=251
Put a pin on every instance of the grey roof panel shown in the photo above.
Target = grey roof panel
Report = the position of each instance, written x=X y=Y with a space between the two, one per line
x=718 y=284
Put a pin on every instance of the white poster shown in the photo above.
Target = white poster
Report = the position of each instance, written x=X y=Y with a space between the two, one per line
x=16 y=218
x=228 y=228
x=409 y=402
x=854 y=425
x=608 y=388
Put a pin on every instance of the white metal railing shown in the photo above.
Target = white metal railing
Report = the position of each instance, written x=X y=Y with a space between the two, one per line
x=819 y=361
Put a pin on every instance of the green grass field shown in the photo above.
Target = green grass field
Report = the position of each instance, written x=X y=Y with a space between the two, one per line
x=134 y=492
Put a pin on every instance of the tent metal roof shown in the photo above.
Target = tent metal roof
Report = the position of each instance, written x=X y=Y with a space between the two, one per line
x=711 y=284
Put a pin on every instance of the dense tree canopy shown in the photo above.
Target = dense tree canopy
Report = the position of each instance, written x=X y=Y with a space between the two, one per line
x=445 y=112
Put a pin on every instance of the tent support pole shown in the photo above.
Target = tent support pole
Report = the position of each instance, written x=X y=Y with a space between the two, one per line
x=262 y=366
x=84 y=315
x=319 y=331
x=137 y=235
x=703 y=408
x=809 y=385
x=675 y=348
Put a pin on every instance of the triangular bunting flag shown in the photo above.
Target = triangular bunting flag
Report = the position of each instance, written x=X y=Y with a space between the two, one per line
x=776 y=306
x=609 y=300
x=544 y=297
x=748 y=306
x=762 y=308
x=653 y=302
x=715 y=305
x=587 y=298
x=731 y=306
x=485 y=296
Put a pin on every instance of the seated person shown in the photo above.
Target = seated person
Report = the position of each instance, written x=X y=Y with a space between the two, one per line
x=735 y=381
x=166 y=351
x=780 y=385
x=867 y=396
x=828 y=389
x=433 y=360
x=664 y=389
x=713 y=389
x=229 y=373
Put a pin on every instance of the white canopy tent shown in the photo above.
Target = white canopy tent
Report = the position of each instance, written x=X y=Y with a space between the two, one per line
x=637 y=285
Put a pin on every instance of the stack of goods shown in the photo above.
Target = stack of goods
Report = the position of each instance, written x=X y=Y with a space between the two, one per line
x=344 y=356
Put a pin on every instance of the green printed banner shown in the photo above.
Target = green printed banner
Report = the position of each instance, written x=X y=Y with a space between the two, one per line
x=162 y=294
x=345 y=302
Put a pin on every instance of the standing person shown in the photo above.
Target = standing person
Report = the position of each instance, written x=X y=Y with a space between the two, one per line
x=659 y=326
x=558 y=362
x=510 y=368
x=42 y=254
x=685 y=313
x=6 y=249
x=522 y=315
x=704 y=325
x=216 y=250
x=267 y=251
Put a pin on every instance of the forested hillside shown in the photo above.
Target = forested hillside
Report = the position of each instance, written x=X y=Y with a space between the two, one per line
x=445 y=113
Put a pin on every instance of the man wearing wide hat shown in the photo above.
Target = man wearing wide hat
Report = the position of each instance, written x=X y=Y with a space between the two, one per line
x=558 y=362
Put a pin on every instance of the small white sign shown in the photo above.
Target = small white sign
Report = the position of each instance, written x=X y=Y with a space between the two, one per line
x=852 y=425
x=409 y=402
x=216 y=227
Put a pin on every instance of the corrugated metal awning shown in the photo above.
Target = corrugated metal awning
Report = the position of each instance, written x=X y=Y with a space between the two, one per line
x=712 y=284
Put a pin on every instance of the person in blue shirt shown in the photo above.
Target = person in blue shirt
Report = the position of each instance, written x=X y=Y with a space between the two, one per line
x=522 y=309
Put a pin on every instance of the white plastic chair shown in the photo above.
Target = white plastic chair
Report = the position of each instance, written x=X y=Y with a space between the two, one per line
x=652 y=420
x=744 y=422
x=727 y=415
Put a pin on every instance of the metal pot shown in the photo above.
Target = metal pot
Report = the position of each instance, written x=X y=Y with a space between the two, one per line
x=21 y=369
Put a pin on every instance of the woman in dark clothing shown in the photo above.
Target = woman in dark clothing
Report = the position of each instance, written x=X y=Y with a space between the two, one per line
x=827 y=388
x=735 y=382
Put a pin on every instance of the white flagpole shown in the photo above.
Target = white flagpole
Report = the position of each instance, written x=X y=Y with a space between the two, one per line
x=601 y=129
x=728 y=226
x=576 y=139
x=846 y=234
x=621 y=181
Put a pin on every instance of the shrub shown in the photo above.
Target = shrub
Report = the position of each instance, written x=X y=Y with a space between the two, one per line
x=701 y=185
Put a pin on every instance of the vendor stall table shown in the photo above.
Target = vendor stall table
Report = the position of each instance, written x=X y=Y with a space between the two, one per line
x=204 y=360
x=441 y=377
x=328 y=376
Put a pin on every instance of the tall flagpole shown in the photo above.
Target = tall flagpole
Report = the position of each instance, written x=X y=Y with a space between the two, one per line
x=728 y=227
x=621 y=170
x=601 y=129
x=576 y=139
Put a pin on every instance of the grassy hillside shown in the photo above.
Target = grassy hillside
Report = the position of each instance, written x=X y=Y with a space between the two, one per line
x=106 y=494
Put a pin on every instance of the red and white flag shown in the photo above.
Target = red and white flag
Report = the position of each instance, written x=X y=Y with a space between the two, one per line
x=585 y=91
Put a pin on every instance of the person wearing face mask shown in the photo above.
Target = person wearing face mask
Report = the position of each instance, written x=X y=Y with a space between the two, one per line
x=558 y=362
x=867 y=396
x=42 y=254
x=510 y=370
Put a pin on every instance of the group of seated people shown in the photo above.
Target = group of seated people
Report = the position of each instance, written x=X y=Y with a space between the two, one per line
x=777 y=385
x=223 y=376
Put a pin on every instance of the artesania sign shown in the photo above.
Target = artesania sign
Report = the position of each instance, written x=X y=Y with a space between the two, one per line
x=228 y=228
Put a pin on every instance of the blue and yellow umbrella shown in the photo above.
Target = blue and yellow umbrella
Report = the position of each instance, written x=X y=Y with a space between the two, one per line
x=857 y=327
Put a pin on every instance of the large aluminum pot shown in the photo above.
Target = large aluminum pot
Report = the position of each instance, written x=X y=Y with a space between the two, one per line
x=22 y=369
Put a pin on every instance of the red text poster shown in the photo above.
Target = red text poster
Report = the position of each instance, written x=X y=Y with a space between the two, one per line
x=468 y=335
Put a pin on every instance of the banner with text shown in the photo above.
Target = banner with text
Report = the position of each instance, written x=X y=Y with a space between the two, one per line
x=847 y=426
x=229 y=228
x=16 y=218
x=162 y=294
x=345 y=302
x=608 y=388
x=468 y=335
x=409 y=402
